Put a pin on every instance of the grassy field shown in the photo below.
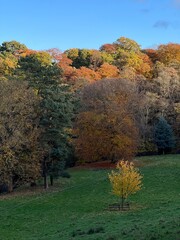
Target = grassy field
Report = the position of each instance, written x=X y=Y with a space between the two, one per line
x=76 y=208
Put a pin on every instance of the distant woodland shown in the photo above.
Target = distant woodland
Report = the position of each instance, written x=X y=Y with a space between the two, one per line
x=58 y=109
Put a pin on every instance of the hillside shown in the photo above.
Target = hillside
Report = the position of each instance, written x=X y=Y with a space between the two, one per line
x=76 y=208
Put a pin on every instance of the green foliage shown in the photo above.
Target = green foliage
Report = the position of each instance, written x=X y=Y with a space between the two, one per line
x=163 y=136
x=57 y=110
x=37 y=68
x=81 y=57
x=147 y=147
x=127 y=44
x=12 y=47
x=56 y=104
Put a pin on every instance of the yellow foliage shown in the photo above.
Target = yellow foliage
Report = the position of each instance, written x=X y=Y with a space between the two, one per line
x=125 y=181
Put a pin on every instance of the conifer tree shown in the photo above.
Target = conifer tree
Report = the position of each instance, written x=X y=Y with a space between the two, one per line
x=55 y=121
x=56 y=110
x=163 y=136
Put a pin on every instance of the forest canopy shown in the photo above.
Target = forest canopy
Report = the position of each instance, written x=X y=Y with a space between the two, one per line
x=84 y=105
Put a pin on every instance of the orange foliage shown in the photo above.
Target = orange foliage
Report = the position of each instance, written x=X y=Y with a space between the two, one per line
x=152 y=54
x=69 y=72
x=109 y=48
x=108 y=71
x=169 y=53
x=63 y=61
x=27 y=52
x=105 y=129
x=88 y=74
x=100 y=136
x=145 y=66
x=140 y=62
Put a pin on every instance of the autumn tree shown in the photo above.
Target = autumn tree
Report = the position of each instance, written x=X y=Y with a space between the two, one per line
x=169 y=53
x=95 y=60
x=127 y=44
x=161 y=98
x=75 y=77
x=148 y=108
x=106 y=125
x=152 y=54
x=167 y=89
x=8 y=63
x=167 y=81
x=125 y=181
x=88 y=74
x=107 y=70
x=20 y=149
x=108 y=48
x=10 y=52
x=138 y=61
x=69 y=73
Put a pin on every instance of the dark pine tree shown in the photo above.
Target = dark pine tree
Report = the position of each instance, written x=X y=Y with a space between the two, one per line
x=56 y=110
x=163 y=136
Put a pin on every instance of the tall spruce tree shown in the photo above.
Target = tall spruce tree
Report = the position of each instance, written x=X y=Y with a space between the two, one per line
x=163 y=136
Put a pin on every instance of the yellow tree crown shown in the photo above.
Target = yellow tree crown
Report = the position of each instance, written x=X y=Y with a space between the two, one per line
x=125 y=181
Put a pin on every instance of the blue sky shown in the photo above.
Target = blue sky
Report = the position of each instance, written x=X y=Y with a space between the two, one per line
x=65 y=24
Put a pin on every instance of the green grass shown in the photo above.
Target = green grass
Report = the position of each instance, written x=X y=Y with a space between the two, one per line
x=77 y=207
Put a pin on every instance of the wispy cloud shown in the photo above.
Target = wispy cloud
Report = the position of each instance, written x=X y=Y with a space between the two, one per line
x=145 y=10
x=161 y=24
x=166 y=24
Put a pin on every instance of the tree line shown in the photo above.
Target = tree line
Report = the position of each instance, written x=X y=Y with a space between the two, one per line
x=84 y=105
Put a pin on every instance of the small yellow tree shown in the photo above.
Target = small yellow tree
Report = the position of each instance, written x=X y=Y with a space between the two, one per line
x=125 y=181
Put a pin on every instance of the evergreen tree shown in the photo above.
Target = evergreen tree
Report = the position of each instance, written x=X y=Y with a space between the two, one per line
x=56 y=117
x=163 y=136
x=56 y=110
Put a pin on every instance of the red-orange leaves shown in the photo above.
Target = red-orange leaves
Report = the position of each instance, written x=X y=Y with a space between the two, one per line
x=108 y=71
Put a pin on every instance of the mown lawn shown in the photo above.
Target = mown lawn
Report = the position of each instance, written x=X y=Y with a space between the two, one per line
x=77 y=207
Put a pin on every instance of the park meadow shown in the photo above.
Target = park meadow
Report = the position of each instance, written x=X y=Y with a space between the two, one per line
x=77 y=207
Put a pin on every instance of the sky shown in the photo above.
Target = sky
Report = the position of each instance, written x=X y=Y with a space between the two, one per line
x=65 y=24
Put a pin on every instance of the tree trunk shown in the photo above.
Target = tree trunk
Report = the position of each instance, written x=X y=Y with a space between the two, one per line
x=122 y=203
x=51 y=180
x=10 y=185
x=45 y=181
x=45 y=175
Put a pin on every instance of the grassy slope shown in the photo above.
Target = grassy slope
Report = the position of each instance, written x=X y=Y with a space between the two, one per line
x=78 y=209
